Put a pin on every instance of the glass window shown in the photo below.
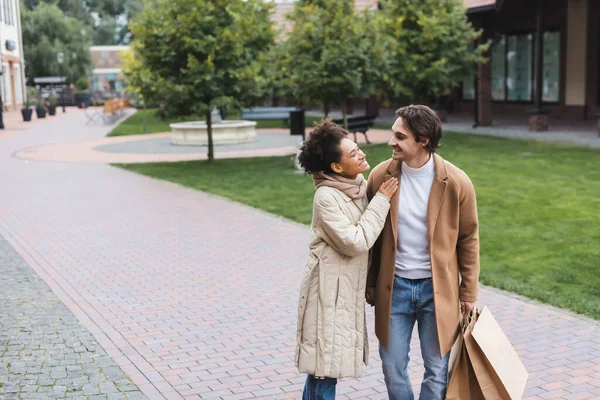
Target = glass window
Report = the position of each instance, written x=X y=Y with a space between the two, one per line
x=551 y=67
x=519 y=60
x=468 y=88
x=498 y=59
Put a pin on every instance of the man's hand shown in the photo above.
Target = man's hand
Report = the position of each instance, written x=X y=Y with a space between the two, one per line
x=466 y=307
x=370 y=295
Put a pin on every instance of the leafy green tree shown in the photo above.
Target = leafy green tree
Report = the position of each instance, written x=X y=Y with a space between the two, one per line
x=429 y=44
x=48 y=31
x=190 y=56
x=326 y=57
x=112 y=20
x=108 y=20
x=72 y=8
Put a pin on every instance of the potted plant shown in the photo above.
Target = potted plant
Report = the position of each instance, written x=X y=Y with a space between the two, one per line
x=28 y=105
x=40 y=109
x=26 y=111
x=52 y=102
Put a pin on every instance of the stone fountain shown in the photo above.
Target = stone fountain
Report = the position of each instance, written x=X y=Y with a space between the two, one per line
x=194 y=133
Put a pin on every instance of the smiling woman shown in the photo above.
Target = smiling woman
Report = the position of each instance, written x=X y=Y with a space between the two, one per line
x=344 y=227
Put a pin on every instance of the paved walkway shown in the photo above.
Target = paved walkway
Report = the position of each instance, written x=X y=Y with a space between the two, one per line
x=270 y=142
x=194 y=296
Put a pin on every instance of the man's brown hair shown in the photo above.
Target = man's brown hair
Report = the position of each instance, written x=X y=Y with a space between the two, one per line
x=424 y=123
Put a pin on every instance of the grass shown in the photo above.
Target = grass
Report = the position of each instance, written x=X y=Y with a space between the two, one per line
x=134 y=125
x=539 y=208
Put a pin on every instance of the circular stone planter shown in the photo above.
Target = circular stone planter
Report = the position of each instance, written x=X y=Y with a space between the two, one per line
x=223 y=132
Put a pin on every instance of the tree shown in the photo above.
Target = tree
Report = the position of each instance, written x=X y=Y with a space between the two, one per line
x=72 y=8
x=108 y=20
x=429 y=44
x=112 y=20
x=190 y=56
x=326 y=56
x=48 y=31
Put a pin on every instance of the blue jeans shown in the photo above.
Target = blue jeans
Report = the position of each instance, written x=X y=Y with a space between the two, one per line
x=412 y=300
x=319 y=389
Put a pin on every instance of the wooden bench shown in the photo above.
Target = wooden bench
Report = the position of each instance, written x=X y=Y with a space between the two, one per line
x=358 y=124
x=258 y=113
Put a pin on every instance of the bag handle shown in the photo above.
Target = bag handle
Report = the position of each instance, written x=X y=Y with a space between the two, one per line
x=468 y=319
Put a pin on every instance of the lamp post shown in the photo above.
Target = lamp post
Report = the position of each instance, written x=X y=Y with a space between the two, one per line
x=1 y=103
x=60 y=57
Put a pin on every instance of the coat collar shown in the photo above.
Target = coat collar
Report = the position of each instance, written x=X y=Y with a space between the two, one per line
x=436 y=196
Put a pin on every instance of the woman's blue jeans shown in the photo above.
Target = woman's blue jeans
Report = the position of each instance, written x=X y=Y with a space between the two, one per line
x=319 y=389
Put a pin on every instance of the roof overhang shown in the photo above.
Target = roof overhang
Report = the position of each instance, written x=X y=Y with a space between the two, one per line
x=479 y=6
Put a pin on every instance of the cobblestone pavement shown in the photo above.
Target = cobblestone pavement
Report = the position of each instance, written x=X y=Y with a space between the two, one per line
x=44 y=351
x=194 y=296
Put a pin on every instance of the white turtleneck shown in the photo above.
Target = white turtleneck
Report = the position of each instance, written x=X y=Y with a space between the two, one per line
x=412 y=250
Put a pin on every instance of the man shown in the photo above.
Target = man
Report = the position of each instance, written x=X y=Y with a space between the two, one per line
x=425 y=264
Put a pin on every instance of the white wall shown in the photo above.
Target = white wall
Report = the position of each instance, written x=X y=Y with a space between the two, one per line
x=10 y=32
x=6 y=87
x=18 y=86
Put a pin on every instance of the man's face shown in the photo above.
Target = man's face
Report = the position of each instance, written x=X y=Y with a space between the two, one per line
x=403 y=143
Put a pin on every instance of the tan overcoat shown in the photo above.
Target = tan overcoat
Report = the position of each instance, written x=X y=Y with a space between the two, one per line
x=331 y=335
x=453 y=231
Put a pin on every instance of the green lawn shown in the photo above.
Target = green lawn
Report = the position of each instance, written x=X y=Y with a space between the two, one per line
x=134 y=125
x=539 y=208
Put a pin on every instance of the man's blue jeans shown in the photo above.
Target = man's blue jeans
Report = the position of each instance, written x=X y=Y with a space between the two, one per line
x=319 y=389
x=412 y=300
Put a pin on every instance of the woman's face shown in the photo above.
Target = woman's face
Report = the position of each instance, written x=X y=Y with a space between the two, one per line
x=352 y=162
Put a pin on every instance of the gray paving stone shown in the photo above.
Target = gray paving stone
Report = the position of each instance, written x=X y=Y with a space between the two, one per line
x=38 y=338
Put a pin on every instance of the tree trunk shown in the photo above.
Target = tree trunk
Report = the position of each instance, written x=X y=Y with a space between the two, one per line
x=211 y=154
x=345 y=115
x=145 y=117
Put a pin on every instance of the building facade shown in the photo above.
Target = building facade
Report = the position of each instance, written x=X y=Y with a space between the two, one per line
x=107 y=75
x=506 y=86
x=568 y=56
x=12 y=81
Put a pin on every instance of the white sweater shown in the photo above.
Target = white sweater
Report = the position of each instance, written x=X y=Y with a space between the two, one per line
x=412 y=250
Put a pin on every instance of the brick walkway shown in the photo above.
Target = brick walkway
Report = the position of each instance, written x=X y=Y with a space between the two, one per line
x=194 y=296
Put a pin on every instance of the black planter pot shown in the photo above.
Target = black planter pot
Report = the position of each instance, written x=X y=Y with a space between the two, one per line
x=41 y=112
x=52 y=110
x=26 y=113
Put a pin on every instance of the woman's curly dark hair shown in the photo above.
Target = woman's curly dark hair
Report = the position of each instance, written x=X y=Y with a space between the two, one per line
x=322 y=147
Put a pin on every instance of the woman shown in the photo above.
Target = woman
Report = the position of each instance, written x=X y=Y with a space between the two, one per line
x=332 y=337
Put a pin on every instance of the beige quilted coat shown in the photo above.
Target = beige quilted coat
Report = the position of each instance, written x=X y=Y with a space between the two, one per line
x=332 y=337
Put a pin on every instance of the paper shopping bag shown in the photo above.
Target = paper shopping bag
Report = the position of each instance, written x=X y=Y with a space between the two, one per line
x=490 y=342
x=483 y=364
x=462 y=383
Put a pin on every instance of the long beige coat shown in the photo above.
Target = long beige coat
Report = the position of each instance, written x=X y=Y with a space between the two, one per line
x=453 y=230
x=332 y=338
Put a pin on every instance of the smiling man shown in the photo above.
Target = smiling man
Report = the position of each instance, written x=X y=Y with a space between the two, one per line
x=425 y=265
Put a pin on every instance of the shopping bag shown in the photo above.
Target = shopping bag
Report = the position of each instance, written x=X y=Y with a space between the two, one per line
x=483 y=363
x=462 y=383
x=510 y=375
